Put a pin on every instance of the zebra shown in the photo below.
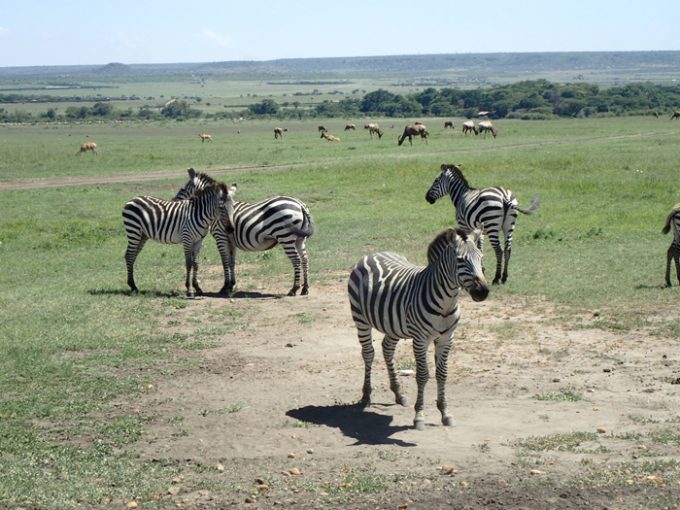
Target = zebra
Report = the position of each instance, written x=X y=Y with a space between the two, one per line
x=258 y=227
x=494 y=208
x=170 y=222
x=402 y=300
x=673 y=221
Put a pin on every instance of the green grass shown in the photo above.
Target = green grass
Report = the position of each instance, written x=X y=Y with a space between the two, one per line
x=72 y=340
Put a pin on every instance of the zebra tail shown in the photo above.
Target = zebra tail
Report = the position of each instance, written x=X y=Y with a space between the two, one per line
x=667 y=227
x=532 y=208
x=307 y=227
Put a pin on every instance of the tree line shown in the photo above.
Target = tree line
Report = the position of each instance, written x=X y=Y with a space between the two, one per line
x=532 y=99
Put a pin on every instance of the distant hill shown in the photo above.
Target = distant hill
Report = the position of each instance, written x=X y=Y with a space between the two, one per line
x=470 y=68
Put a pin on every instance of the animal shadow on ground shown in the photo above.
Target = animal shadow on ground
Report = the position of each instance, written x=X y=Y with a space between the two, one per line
x=353 y=421
x=242 y=294
x=144 y=293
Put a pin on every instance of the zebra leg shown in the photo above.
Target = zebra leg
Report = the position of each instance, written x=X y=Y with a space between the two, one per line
x=226 y=256
x=133 y=250
x=669 y=257
x=508 y=251
x=304 y=259
x=441 y=357
x=368 y=353
x=422 y=375
x=194 y=259
x=388 y=346
x=499 y=258
x=293 y=254
x=677 y=262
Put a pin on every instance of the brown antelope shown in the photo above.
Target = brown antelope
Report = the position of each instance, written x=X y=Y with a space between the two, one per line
x=449 y=124
x=350 y=127
x=673 y=253
x=205 y=137
x=278 y=132
x=87 y=146
x=486 y=126
x=469 y=125
x=374 y=128
x=675 y=115
x=328 y=137
x=414 y=130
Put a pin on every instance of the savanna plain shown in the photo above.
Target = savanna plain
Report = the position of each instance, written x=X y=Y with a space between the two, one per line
x=564 y=383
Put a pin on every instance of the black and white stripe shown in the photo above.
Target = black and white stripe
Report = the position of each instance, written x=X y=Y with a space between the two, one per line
x=494 y=208
x=673 y=253
x=402 y=300
x=258 y=227
x=170 y=222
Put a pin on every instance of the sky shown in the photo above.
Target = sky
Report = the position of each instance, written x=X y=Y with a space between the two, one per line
x=71 y=32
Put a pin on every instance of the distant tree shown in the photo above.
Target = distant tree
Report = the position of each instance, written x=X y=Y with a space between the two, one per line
x=264 y=107
x=179 y=110
x=373 y=101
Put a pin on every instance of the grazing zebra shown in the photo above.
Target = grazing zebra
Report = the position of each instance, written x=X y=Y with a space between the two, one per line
x=170 y=222
x=673 y=221
x=494 y=208
x=258 y=227
x=402 y=300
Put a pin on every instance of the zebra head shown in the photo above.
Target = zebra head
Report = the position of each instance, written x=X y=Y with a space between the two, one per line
x=462 y=245
x=226 y=206
x=448 y=179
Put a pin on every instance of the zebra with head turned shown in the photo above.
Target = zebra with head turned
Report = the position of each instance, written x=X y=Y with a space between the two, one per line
x=258 y=227
x=170 y=222
x=673 y=253
x=402 y=300
x=494 y=208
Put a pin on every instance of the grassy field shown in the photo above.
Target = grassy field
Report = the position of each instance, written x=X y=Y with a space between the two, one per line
x=72 y=340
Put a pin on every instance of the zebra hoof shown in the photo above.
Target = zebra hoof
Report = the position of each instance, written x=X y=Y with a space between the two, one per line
x=448 y=421
x=305 y=291
x=293 y=291
x=419 y=424
x=495 y=281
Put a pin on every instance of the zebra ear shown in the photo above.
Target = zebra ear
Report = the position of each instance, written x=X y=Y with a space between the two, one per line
x=444 y=167
x=191 y=172
x=233 y=188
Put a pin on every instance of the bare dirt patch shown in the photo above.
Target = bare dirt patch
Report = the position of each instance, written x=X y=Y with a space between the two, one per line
x=550 y=413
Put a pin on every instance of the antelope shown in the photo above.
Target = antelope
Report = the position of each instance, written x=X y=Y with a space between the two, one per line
x=87 y=146
x=675 y=115
x=351 y=127
x=328 y=137
x=469 y=125
x=448 y=124
x=205 y=137
x=413 y=130
x=278 y=132
x=485 y=126
x=374 y=128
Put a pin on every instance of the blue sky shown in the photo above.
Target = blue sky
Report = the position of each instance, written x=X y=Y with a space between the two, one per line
x=70 y=32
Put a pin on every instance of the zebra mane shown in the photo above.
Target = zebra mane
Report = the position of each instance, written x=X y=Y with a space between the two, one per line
x=457 y=172
x=209 y=189
x=190 y=187
x=450 y=236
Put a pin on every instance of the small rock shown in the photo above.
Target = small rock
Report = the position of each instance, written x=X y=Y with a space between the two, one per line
x=403 y=506
x=178 y=479
x=132 y=505
x=289 y=345
x=174 y=490
x=310 y=451
x=219 y=467
x=291 y=455
x=535 y=472
x=601 y=430
x=556 y=379
x=263 y=487
x=406 y=372
x=294 y=471
x=250 y=500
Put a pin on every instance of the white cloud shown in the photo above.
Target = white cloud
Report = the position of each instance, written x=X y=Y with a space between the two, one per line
x=4 y=31
x=213 y=36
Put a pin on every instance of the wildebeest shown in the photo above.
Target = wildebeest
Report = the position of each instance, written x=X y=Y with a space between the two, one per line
x=87 y=146
x=351 y=127
x=486 y=126
x=413 y=130
x=469 y=125
x=205 y=137
x=449 y=124
x=328 y=137
x=675 y=115
x=673 y=222
x=373 y=128
x=322 y=128
x=278 y=132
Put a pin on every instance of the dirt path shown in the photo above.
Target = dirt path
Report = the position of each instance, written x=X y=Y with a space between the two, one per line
x=269 y=414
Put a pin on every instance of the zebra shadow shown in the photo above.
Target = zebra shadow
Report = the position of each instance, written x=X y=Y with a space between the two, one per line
x=353 y=420
x=243 y=294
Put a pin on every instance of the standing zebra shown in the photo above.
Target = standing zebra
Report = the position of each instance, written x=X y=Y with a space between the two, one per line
x=494 y=208
x=258 y=227
x=170 y=222
x=402 y=300
x=673 y=221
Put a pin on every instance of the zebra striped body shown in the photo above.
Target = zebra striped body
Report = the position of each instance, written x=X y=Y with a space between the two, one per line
x=258 y=227
x=494 y=208
x=172 y=222
x=673 y=253
x=402 y=300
